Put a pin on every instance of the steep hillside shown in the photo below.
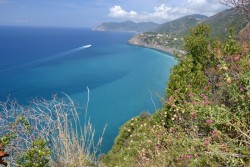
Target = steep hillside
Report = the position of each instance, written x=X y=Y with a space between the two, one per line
x=127 y=26
x=244 y=34
x=170 y=35
x=222 y=22
x=180 y=25
x=205 y=118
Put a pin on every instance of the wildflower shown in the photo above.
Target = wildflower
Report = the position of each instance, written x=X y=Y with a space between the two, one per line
x=171 y=130
x=225 y=68
x=214 y=133
x=219 y=84
x=193 y=114
x=229 y=80
x=209 y=121
x=189 y=156
x=207 y=141
x=236 y=58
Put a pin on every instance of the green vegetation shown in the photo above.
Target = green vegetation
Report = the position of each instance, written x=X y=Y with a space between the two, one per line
x=165 y=40
x=205 y=119
x=222 y=22
x=46 y=133
x=180 y=25
x=36 y=156
x=171 y=34
x=203 y=122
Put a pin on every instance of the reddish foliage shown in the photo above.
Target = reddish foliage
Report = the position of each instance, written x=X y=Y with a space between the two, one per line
x=2 y=155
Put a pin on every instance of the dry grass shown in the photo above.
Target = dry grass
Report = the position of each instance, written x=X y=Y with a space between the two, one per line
x=57 y=121
x=75 y=146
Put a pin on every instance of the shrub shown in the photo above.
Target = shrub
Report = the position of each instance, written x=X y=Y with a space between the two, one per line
x=47 y=132
x=205 y=118
x=145 y=115
x=36 y=156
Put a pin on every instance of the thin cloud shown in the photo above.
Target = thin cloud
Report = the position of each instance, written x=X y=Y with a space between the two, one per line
x=118 y=12
x=3 y=1
x=166 y=12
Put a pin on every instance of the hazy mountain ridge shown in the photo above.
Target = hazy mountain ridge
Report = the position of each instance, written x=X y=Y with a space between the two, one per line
x=221 y=22
x=127 y=26
x=180 y=25
x=170 y=36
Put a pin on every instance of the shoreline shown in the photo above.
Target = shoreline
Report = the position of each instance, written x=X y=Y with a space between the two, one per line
x=136 y=40
x=165 y=51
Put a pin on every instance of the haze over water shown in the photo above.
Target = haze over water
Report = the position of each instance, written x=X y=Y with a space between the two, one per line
x=123 y=80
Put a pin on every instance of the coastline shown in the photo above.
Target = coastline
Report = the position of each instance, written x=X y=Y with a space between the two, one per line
x=137 y=40
x=163 y=50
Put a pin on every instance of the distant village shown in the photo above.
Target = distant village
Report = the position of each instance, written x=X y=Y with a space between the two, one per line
x=162 y=39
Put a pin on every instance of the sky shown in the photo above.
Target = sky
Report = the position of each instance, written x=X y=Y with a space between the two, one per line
x=91 y=13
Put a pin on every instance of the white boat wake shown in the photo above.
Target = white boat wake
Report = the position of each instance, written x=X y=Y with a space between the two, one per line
x=72 y=51
x=56 y=56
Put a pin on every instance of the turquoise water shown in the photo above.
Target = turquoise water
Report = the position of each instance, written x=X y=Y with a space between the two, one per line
x=123 y=80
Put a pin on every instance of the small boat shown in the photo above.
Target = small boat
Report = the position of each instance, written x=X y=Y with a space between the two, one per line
x=86 y=46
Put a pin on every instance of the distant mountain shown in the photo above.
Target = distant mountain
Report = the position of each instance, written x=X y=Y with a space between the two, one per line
x=180 y=25
x=127 y=26
x=170 y=35
x=221 y=22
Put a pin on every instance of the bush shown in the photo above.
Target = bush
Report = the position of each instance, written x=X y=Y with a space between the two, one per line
x=145 y=115
x=47 y=133
x=36 y=156
x=205 y=118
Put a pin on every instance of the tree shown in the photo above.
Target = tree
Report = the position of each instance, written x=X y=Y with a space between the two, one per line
x=242 y=5
x=197 y=42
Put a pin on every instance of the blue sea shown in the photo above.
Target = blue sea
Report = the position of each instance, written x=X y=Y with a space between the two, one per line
x=124 y=80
